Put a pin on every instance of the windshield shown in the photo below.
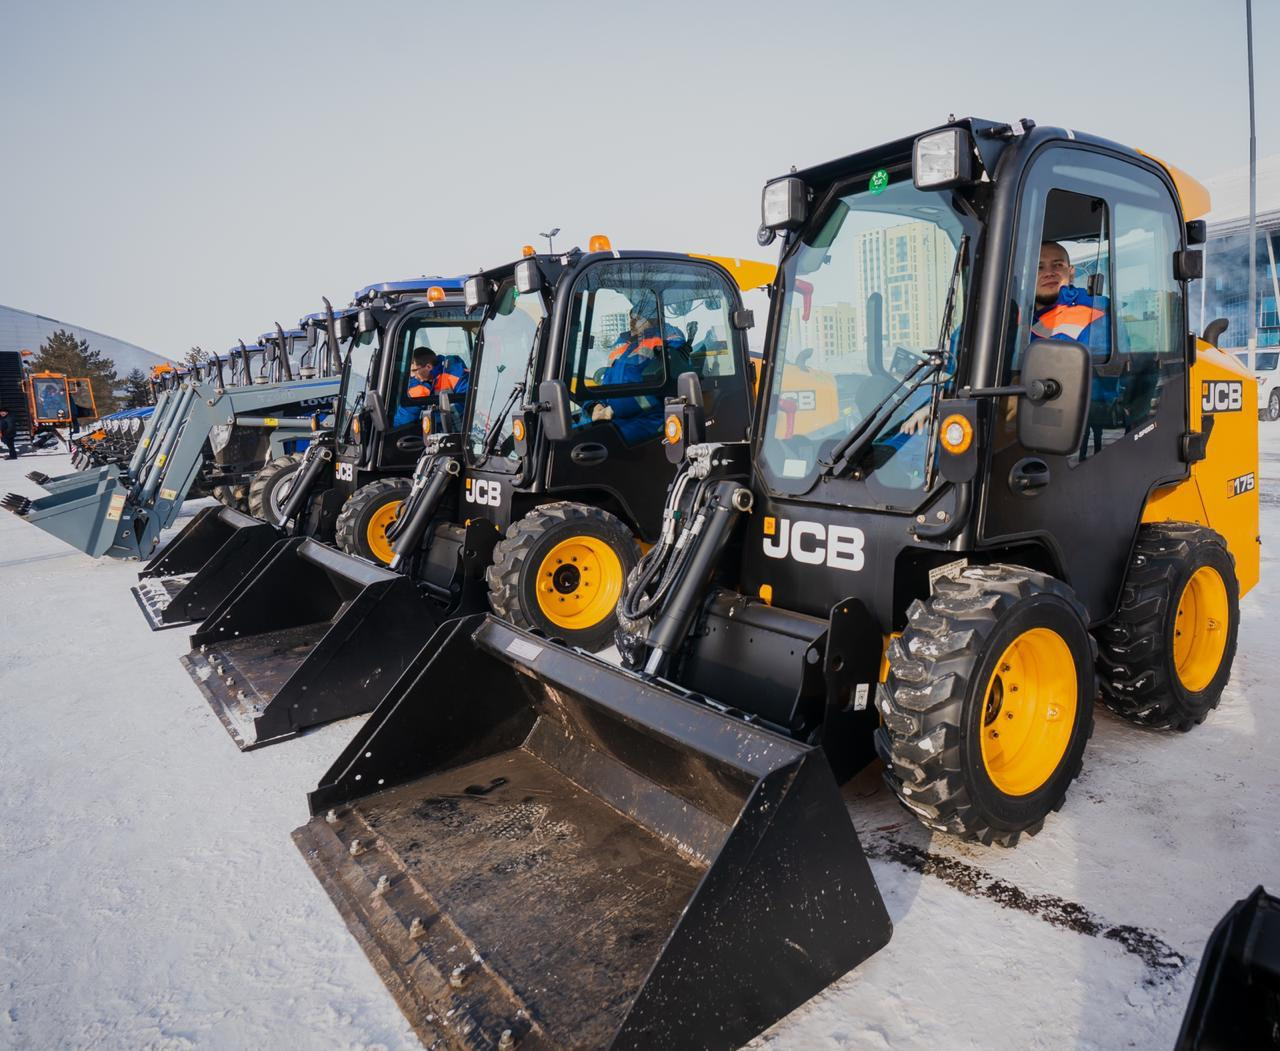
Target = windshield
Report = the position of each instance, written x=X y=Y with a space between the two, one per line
x=864 y=301
x=1264 y=360
x=364 y=347
x=506 y=342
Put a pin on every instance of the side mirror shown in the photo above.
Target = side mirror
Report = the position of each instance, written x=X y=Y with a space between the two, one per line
x=377 y=410
x=1051 y=415
x=553 y=403
x=313 y=336
x=684 y=417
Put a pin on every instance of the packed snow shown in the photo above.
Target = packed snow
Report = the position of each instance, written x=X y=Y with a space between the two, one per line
x=150 y=894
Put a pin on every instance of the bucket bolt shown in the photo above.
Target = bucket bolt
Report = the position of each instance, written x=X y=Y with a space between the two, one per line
x=383 y=883
x=357 y=848
x=458 y=976
x=416 y=929
x=331 y=817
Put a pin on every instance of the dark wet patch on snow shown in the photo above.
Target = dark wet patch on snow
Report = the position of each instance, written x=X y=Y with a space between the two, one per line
x=1162 y=961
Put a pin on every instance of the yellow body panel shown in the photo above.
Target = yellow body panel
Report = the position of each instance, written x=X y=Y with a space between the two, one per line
x=1222 y=489
x=1193 y=193
x=748 y=273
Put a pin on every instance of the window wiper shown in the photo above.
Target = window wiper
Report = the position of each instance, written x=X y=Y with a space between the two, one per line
x=495 y=422
x=926 y=370
x=948 y=311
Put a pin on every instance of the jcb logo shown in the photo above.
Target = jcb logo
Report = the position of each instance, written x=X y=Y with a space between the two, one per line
x=345 y=472
x=839 y=547
x=1239 y=486
x=1221 y=396
x=483 y=492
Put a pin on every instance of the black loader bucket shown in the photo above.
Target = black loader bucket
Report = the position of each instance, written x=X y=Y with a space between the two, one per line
x=201 y=566
x=310 y=636
x=529 y=841
x=1236 y=999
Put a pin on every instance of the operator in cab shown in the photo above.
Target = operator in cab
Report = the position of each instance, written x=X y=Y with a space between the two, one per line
x=429 y=375
x=635 y=358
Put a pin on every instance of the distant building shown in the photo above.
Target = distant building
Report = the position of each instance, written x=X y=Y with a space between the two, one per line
x=1224 y=292
x=21 y=330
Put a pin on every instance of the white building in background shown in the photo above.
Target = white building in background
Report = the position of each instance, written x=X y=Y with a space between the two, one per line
x=21 y=330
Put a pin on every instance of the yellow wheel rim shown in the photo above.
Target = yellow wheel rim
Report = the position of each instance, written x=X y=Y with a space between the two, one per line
x=1200 y=629
x=1028 y=712
x=376 y=533
x=579 y=583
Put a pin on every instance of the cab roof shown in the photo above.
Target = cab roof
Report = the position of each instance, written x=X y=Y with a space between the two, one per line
x=416 y=286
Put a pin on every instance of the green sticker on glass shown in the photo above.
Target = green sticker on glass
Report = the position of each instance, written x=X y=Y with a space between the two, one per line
x=879 y=181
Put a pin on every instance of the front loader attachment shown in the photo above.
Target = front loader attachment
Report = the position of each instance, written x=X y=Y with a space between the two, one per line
x=87 y=515
x=201 y=566
x=1236 y=999
x=527 y=840
x=311 y=635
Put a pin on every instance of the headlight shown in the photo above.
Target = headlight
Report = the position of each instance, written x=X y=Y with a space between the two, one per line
x=475 y=292
x=528 y=276
x=782 y=204
x=942 y=158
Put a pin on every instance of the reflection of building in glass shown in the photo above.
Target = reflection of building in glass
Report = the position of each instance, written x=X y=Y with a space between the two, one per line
x=909 y=265
x=833 y=330
x=1224 y=292
x=611 y=327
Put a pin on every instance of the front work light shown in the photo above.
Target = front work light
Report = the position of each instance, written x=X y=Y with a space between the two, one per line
x=528 y=276
x=782 y=205
x=475 y=292
x=941 y=159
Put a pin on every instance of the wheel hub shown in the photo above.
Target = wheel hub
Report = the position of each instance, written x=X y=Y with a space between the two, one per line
x=566 y=579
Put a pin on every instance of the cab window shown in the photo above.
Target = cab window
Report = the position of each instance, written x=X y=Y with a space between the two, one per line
x=440 y=331
x=635 y=328
x=1096 y=266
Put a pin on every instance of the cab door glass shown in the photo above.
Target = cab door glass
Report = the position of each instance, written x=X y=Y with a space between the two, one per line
x=635 y=328
x=1098 y=270
x=417 y=376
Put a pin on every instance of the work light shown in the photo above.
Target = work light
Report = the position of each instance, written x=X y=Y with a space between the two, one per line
x=941 y=159
x=782 y=204
x=475 y=292
x=528 y=276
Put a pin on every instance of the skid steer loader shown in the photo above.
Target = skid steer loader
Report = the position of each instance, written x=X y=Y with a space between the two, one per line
x=987 y=482
x=350 y=480
x=208 y=430
x=542 y=527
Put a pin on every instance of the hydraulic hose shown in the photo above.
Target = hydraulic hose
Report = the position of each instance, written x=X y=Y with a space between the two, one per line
x=710 y=533
x=313 y=462
x=421 y=512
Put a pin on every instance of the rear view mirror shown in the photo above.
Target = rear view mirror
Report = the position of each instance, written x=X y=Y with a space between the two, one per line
x=377 y=411
x=1052 y=413
x=553 y=403
x=313 y=336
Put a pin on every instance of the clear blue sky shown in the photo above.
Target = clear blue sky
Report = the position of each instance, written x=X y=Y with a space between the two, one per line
x=177 y=173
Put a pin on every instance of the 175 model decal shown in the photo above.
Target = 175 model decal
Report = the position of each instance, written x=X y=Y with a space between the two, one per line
x=1241 y=485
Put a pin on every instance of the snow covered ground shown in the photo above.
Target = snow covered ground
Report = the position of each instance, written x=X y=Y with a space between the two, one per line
x=150 y=894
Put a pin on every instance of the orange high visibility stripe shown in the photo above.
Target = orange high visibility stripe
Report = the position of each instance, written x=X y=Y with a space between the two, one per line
x=1074 y=316
x=419 y=391
x=446 y=381
x=652 y=343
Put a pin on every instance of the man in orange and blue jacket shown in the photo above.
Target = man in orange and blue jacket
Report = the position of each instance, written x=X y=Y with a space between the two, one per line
x=432 y=374
x=635 y=358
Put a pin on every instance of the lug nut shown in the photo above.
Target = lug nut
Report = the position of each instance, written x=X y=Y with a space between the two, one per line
x=331 y=817
x=416 y=929
x=458 y=977
x=506 y=1040
x=383 y=884
x=357 y=848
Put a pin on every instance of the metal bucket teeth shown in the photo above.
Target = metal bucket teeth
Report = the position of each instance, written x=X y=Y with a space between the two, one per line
x=17 y=503
x=39 y=477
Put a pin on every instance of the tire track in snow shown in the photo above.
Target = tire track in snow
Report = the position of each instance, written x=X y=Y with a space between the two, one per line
x=1162 y=961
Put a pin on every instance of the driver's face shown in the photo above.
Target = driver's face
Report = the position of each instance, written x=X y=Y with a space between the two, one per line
x=1055 y=272
x=640 y=324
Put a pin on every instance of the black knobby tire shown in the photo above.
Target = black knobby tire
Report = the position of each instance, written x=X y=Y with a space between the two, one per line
x=270 y=487
x=936 y=701
x=524 y=553
x=1138 y=673
x=360 y=514
x=233 y=496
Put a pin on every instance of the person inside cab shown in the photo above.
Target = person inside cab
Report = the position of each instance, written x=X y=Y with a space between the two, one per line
x=636 y=358
x=431 y=374
x=1065 y=311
